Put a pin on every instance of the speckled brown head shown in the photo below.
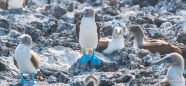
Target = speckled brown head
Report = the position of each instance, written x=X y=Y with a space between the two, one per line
x=136 y=31
x=133 y=30
x=172 y=58
x=91 y=80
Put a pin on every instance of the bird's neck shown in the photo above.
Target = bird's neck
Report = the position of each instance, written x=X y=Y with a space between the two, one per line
x=28 y=45
x=87 y=20
x=176 y=70
x=117 y=37
x=139 y=38
x=89 y=16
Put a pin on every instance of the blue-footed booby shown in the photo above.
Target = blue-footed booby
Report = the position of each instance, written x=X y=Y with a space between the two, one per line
x=88 y=34
x=26 y=60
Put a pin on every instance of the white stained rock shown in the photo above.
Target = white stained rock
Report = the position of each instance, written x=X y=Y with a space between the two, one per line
x=184 y=27
x=165 y=25
x=148 y=59
x=13 y=34
x=153 y=32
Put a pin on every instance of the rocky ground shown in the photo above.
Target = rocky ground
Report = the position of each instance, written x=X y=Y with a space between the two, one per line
x=51 y=26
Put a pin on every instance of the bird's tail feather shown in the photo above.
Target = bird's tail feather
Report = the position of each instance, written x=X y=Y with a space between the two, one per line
x=39 y=75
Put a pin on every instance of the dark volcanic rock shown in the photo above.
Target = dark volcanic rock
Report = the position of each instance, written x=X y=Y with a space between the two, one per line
x=46 y=9
x=73 y=5
x=2 y=66
x=54 y=10
x=145 y=3
x=104 y=67
x=61 y=77
x=62 y=26
x=107 y=67
x=107 y=30
x=37 y=25
x=98 y=17
x=106 y=83
x=159 y=21
x=4 y=23
x=110 y=78
x=50 y=26
x=4 y=51
x=57 y=11
x=3 y=31
x=34 y=33
x=144 y=20
x=111 y=10
x=182 y=38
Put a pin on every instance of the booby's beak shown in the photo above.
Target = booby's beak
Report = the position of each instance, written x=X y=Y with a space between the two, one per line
x=127 y=39
x=19 y=37
x=166 y=59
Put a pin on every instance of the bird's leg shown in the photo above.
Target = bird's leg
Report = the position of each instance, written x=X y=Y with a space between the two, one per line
x=22 y=79
x=33 y=77
x=85 y=58
x=94 y=60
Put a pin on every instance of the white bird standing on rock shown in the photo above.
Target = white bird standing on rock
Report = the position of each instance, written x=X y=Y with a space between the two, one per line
x=14 y=4
x=108 y=46
x=26 y=60
x=88 y=33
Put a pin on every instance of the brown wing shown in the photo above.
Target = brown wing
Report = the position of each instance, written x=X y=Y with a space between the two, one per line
x=77 y=27
x=24 y=2
x=160 y=46
x=5 y=4
x=98 y=30
x=34 y=59
x=102 y=44
x=15 y=63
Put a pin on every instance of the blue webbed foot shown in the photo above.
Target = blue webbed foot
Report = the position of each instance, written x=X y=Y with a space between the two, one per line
x=22 y=79
x=94 y=60
x=33 y=78
x=84 y=59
